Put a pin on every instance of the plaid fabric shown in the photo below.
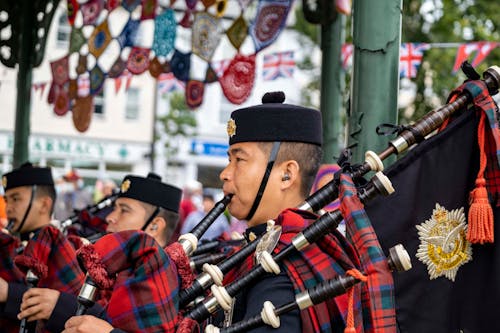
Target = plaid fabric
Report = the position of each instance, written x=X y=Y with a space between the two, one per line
x=51 y=248
x=9 y=272
x=329 y=257
x=144 y=297
x=8 y=246
x=483 y=102
x=379 y=314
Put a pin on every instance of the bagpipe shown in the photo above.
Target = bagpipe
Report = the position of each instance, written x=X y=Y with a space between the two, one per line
x=85 y=223
x=410 y=135
x=343 y=185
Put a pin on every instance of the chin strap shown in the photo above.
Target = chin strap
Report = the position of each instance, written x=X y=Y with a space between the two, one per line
x=33 y=192
x=263 y=183
x=150 y=219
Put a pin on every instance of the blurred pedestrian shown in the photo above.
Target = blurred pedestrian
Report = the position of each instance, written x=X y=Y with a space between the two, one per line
x=72 y=196
x=218 y=227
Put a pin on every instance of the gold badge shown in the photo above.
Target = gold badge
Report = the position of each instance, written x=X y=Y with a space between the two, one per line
x=4 y=182
x=231 y=127
x=125 y=185
x=443 y=243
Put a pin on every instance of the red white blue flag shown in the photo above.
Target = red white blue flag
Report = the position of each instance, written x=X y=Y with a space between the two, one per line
x=220 y=66
x=168 y=83
x=410 y=58
x=277 y=65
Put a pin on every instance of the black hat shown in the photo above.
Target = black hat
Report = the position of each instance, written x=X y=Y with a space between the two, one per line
x=152 y=191
x=275 y=121
x=27 y=175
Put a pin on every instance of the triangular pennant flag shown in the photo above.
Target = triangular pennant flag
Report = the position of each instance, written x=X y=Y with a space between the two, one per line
x=346 y=55
x=118 y=84
x=343 y=6
x=129 y=81
x=484 y=48
x=463 y=54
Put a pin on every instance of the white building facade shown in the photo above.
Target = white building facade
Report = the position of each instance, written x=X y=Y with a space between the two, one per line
x=120 y=137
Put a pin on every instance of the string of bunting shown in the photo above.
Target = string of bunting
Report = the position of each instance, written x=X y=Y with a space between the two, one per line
x=411 y=55
x=93 y=39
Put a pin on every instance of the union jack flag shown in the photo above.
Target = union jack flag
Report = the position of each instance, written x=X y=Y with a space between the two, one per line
x=346 y=55
x=168 y=83
x=410 y=58
x=277 y=65
x=220 y=66
x=83 y=83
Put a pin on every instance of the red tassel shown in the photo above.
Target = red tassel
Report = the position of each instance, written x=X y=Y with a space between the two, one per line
x=480 y=228
x=480 y=215
x=350 y=327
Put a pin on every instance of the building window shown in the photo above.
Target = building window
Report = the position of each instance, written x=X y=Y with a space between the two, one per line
x=63 y=31
x=99 y=102
x=132 y=107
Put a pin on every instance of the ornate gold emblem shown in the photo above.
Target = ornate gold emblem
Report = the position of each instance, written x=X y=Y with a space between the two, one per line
x=269 y=240
x=443 y=244
x=231 y=127
x=4 y=182
x=125 y=185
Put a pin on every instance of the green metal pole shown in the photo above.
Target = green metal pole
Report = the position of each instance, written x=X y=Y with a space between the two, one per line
x=332 y=86
x=24 y=79
x=375 y=78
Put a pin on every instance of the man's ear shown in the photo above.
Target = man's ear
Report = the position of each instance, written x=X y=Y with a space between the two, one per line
x=45 y=204
x=157 y=226
x=290 y=173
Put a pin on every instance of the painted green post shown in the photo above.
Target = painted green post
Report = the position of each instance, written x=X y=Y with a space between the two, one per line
x=375 y=78
x=24 y=79
x=332 y=86
x=28 y=22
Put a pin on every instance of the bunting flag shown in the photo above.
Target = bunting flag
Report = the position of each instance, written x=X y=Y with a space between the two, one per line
x=463 y=53
x=410 y=58
x=343 y=6
x=481 y=50
x=220 y=66
x=484 y=48
x=83 y=83
x=168 y=83
x=261 y=23
x=40 y=87
x=278 y=65
x=269 y=22
x=346 y=55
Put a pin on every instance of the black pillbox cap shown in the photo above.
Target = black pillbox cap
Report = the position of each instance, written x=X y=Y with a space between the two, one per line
x=151 y=190
x=275 y=121
x=27 y=175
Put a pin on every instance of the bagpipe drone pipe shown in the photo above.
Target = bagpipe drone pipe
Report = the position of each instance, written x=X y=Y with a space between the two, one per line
x=90 y=221
x=446 y=213
x=215 y=273
x=407 y=137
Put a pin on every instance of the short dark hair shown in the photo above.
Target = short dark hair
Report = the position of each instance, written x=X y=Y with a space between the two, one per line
x=307 y=155
x=171 y=218
x=46 y=191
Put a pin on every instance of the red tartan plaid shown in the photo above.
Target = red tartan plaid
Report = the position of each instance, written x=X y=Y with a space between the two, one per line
x=9 y=272
x=379 y=314
x=144 y=296
x=329 y=257
x=50 y=248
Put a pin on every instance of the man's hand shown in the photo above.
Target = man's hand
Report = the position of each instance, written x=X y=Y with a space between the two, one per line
x=4 y=288
x=38 y=303
x=84 y=324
